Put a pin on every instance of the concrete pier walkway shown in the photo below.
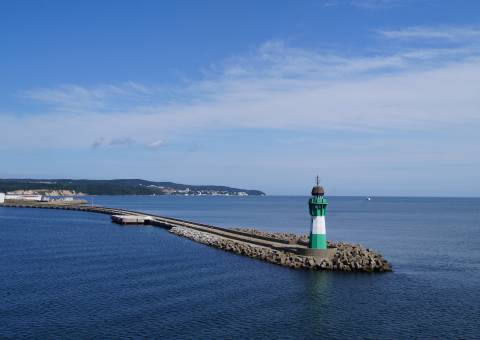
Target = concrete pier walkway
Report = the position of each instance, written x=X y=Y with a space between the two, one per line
x=139 y=218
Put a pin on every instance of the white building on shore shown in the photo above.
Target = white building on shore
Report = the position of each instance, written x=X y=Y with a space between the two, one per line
x=23 y=197
x=2 y=197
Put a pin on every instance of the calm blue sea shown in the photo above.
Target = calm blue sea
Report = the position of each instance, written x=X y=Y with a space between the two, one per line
x=67 y=274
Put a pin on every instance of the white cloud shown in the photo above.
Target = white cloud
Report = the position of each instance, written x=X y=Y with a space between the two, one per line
x=277 y=87
x=376 y=4
x=365 y=4
x=122 y=141
x=98 y=142
x=458 y=34
x=75 y=98
x=156 y=144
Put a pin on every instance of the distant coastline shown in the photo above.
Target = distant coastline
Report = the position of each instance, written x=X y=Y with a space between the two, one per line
x=82 y=187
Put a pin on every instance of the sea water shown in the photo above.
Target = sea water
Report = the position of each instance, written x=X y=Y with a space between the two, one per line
x=68 y=274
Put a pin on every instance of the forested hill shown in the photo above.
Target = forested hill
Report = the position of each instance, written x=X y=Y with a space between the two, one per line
x=121 y=187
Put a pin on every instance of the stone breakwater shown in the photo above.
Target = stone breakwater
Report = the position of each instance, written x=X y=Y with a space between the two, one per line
x=289 y=237
x=348 y=257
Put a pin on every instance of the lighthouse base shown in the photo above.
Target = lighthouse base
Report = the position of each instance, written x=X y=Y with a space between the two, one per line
x=318 y=253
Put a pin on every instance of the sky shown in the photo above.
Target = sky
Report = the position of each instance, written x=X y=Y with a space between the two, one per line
x=377 y=97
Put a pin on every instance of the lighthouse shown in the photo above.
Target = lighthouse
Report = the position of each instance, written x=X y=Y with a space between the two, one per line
x=318 y=208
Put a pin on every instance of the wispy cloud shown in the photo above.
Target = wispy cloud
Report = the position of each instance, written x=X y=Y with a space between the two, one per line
x=156 y=144
x=122 y=141
x=125 y=142
x=74 y=98
x=376 y=4
x=365 y=4
x=98 y=142
x=459 y=34
x=276 y=87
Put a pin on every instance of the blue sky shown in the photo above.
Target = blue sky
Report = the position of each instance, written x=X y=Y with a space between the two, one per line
x=379 y=97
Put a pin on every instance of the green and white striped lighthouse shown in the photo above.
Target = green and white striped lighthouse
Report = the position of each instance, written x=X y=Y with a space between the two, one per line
x=318 y=208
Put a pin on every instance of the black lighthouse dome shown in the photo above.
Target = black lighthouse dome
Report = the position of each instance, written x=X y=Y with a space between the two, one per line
x=318 y=191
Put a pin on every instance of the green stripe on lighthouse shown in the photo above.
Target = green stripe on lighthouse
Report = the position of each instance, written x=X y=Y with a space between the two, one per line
x=318 y=241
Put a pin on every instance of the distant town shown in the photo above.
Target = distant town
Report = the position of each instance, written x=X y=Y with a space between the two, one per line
x=198 y=192
x=45 y=190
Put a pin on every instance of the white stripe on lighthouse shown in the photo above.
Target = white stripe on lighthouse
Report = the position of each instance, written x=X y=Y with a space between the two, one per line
x=318 y=225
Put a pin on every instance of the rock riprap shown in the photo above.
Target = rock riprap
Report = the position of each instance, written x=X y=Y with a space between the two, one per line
x=289 y=237
x=348 y=257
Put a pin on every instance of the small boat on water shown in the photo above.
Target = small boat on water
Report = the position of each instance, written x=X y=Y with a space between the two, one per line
x=369 y=198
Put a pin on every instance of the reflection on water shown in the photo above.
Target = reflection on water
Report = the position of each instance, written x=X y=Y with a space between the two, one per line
x=318 y=286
